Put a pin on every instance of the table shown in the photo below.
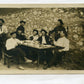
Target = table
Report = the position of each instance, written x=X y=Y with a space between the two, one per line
x=39 y=48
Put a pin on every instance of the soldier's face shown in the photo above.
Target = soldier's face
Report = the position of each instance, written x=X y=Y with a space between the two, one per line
x=14 y=36
x=35 y=33
x=43 y=33
x=19 y=31
x=22 y=24
x=61 y=33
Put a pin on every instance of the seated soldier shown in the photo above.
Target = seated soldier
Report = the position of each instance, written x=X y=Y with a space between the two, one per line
x=13 y=49
x=45 y=55
x=28 y=51
x=44 y=38
x=58 y=28
x=3 y=36
x=20 y=35
x=62 y=47
x=35 y=36
x=64 y=43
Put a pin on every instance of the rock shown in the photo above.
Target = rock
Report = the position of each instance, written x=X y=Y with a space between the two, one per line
x=80 y=43
x=46 y=18
x=35 y=12
x=75 y=36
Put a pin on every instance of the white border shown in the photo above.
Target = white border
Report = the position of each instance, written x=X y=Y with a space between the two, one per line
x=39 y=1
x=41 y=79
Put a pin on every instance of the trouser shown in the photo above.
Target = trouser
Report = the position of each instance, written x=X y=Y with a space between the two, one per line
x=34 y=55
x=42 y=56
x=46 y=56
x=0 y=53
x=30 y=53
x=17 y=54
x=57 y=58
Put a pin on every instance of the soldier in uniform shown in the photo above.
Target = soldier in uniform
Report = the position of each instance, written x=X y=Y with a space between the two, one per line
x=20 y=31
x=3 y=36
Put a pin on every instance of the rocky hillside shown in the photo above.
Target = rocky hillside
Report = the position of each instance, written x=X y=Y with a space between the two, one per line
x=38 y=18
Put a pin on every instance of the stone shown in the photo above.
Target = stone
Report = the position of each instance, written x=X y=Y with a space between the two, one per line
x=46 y=18
x=80 y=43
x=75 y=37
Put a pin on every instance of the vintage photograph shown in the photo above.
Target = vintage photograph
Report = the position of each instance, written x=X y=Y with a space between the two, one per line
x=42 y=38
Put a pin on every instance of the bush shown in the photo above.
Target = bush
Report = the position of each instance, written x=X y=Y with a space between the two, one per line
x=74 y=60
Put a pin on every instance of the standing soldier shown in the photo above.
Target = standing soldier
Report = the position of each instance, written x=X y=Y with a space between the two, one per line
x=20 y=31
x=3 y=36
x=58 y=29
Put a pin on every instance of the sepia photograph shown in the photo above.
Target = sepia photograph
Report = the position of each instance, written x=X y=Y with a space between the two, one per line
x=41 y=39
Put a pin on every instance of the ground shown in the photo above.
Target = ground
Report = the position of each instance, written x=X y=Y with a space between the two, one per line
x=27 y=66
x=34 y=70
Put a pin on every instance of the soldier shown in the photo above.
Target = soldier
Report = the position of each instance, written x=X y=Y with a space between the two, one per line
x=58 y=28
x=20 y=31
x=3 y=36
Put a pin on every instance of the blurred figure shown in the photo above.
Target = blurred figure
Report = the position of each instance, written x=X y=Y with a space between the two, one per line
x=35 y=35
x=20 y=31
x=44 y=38
x=15 y=51
x=46 y=55
x=58 y=28
x=20 y=35
x=51 y=38
x=34 y=38
x=21 y=27
x=62 y=47
x=3 y=36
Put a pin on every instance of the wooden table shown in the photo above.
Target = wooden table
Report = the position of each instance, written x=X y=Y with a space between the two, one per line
x=39 y=48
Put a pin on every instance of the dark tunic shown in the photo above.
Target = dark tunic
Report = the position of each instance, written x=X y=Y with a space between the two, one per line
x=57 y=29
x=20 y=28
x=3 y=38
x=46 y=38
x=20 y=37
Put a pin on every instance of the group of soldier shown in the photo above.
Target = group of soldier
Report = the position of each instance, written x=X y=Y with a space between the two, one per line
x=57 y=37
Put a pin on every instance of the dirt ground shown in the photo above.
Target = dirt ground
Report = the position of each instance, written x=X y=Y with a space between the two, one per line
x=27 y=66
